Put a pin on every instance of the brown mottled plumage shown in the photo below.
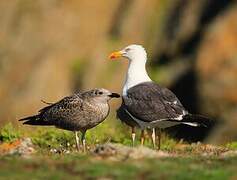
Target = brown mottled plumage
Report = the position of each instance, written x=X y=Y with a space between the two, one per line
x=79 y=112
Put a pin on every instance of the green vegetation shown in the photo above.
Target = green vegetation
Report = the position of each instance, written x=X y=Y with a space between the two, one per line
x=191 y=162
x=84 y=167
x=232 y=145
x=52 y=137
x=8 y=133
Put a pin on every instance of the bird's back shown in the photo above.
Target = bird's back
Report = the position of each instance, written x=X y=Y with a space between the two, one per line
x=148 y=103
x=73 y=113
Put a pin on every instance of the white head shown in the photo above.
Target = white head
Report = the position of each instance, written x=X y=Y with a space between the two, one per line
x=136 y=73
x=132 y=52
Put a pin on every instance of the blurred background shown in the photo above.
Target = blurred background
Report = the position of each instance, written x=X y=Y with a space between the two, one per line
x=50 y=49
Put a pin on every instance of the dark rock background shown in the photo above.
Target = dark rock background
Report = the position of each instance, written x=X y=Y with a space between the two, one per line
x=49 y=49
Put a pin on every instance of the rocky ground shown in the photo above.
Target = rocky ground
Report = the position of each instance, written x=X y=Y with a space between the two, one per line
x=116 y=151
x=20 y=159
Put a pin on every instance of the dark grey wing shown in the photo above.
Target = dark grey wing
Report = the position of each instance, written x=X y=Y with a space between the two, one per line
x=150 y=102
x=124 y=116
x=172 y=103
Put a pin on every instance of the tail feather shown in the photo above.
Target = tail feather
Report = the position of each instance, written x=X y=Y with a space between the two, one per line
x=28 y=118
x=197 y=120
x=45 y=102
x=35 y=120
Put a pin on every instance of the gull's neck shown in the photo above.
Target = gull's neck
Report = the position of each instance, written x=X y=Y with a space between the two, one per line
x=136 y=73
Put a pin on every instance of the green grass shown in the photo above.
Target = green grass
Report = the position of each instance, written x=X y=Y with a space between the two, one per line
x=232 y=145
x=51 y=137
x=8 y=133
x=85 y=167
x=190 y=164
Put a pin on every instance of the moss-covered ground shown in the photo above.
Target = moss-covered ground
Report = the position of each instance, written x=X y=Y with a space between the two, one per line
x=190 y=162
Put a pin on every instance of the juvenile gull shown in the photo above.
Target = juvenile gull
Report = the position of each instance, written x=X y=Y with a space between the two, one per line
x=79 y=112
x=147 y=104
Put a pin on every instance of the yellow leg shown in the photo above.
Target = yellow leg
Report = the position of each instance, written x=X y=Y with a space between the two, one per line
x=142 y=137
x=77 y=141
x=159 y=138
x=153 y=136
x=133 y=136
x=83 y=139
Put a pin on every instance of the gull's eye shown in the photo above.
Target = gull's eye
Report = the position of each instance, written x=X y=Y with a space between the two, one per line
x=127 y=49
x=100 y=93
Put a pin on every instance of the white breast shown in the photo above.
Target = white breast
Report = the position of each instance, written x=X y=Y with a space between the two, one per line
x=136 y=74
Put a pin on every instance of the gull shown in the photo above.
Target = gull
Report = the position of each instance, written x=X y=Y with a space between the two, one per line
x=146 y=104
x=78 y=112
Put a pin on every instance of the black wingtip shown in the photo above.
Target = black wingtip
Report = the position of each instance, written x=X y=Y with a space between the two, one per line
x=25 y=118
x=114 y=95
x=26 y=122
x=29 y=122
x=28 y=118
x=35 y=120
x=200 y=120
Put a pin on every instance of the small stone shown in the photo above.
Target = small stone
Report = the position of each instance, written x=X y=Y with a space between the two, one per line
x=119 y=151
x=22 y=147
x=53 y=150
